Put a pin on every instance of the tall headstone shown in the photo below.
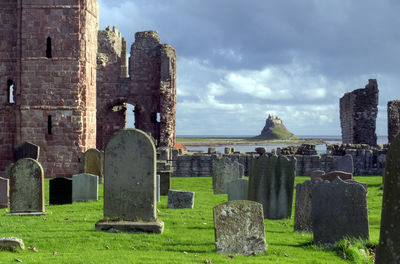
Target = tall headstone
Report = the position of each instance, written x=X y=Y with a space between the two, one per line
x=93 y=163
x=130 y=184
x=224 y=170
x=343 y=163
x=239 y=228
x=302 y=211
x=85 y=187
x=339 y=210
x=26 y=188
x=4 y=193
x=271 y=183
x=238 y=189
x=60 y=191
x=388 y=250
x=26 y=150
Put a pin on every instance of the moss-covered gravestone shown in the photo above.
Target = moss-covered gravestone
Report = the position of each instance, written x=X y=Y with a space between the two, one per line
x=130 y=184
x=271 y=183
x=26 y=188
x=239 y=228
x=388 y=251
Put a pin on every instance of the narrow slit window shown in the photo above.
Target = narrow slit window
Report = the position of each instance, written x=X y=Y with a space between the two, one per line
x=48 y=49
x=10 y=85
x=49 y=125
x=158 y=117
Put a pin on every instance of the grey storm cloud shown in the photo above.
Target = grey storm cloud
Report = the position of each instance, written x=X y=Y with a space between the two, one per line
x=294 y=58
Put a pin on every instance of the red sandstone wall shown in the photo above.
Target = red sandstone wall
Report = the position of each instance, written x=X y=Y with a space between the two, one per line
x=63 y=87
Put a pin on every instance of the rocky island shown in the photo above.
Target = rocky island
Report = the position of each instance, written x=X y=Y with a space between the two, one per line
x=274 y=129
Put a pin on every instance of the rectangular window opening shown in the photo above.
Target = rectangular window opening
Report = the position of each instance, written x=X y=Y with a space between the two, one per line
x=49 y=125
x=48 y=48
x=10 y=85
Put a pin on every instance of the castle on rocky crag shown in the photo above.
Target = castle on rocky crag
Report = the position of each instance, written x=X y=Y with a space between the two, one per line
x=50 y=66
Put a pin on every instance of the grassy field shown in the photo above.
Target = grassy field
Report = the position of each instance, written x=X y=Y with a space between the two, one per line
x=67 y=234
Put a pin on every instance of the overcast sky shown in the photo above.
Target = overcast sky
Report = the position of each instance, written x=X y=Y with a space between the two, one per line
x=240 y=60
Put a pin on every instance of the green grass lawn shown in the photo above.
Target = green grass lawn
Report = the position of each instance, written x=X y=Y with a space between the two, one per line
x=67 y=233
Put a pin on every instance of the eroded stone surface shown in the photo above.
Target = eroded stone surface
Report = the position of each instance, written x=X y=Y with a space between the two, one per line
x=238 y=189
x=93 y=163
x=85 y=187
x=388 y=250
x=11 y=243
x=343 y=163
x=317 y=174
x=330 y=176
x=271 y=183
x=26 y=187
x=130 y=179
x=239 y=228
x=224 y=170
x=180 y=199
x=339 y=210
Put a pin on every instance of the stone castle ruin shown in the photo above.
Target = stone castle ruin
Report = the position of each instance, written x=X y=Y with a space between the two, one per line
x=358 y=112
x=49 y=62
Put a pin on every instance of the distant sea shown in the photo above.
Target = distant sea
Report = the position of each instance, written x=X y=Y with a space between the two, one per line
x=321 y=148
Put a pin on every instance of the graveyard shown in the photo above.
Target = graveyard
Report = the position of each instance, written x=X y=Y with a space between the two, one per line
x=67 y=233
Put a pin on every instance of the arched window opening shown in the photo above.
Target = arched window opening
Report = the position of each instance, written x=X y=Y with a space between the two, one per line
x=10 y=88
x=130 y=116
x=48 y=49
x=49 y=125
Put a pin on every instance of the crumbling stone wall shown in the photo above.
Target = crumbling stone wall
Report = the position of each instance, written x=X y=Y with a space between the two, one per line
x=393 y=119
x=49 y=52
x=358 y=112
x=150 y=87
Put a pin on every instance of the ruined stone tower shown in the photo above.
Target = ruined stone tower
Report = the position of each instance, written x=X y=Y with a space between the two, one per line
x=48 y=74
x=393 y=119
x=150 y=86
x=358 y=112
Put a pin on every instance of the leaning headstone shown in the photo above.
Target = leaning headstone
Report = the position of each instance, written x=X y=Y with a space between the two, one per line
x=11 y=243
x=330 y=176
x=93 y=163
x=130 y=184
x=388 y=250
x=237 y=189
x=339 y=210
x=60 y=191
x=343 y=163
x=26 y=150
x=224 y=170
x=239 y=228
x=271 y=183
x=85 y=187
x=302 y=211
x=180 y=199
x=4 y=192
x=26 y=188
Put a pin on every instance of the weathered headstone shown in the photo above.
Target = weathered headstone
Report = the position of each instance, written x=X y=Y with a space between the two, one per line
x=130 y=184
x=239 y=228
x=8 y=170
x=26 y=188
x=260 y=150
x=158 y=188
x=60 y=191
x=93 y=163
x=302 y=212
x=238 y=189
x=227 y=150
x=330 y=176
x=11 y=243
x=339 y=210
x=271 y=183
x=180 y=199
x=224 y=170
x=26 y=150
x=388 y=250
x=85 y=187
x=212 y=150
x=164 y=170
x=4 y=192
x=343 y=163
